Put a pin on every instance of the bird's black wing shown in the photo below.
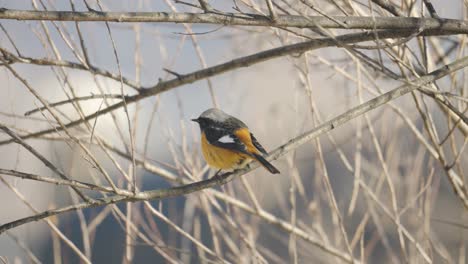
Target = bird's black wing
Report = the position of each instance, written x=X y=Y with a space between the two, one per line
x=221 y=138
x=257 y=144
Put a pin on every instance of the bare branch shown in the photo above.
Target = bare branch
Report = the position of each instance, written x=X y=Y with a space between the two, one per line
x=448 y=26
x=73 y=183
x=11 y=58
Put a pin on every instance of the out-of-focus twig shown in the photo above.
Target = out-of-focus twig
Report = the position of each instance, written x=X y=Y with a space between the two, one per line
x=387 y=5
x=75 y=99
x=431 y=9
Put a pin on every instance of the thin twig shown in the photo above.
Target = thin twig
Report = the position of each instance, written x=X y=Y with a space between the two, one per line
x=271 y=10
x=205 y=6
x=75 y=99
x=431 y=9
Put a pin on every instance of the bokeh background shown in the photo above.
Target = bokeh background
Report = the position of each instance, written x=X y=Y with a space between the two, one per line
x=279 y=99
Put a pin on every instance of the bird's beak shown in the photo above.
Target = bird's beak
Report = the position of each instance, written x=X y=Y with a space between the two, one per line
x=195 y=120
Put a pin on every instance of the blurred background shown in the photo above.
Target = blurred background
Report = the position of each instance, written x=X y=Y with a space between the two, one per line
x=316 y=210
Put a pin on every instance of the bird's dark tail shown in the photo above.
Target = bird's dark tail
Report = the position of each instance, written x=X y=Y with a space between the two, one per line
x=266 y=164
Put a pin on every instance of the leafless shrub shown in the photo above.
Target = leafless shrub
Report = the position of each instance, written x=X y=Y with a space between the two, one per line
x=363 y=104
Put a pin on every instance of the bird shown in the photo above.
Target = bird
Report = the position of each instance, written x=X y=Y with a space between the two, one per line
x=227 y=143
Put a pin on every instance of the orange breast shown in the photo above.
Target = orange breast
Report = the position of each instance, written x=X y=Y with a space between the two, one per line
x=221 y=158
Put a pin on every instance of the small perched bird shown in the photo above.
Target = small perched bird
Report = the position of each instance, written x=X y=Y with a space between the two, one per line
x=227 y=143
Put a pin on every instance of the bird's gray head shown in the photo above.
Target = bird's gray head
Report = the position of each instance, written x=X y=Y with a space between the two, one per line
x=215 y=114
x=214 y=117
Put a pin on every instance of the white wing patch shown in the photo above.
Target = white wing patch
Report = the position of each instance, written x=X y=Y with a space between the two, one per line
x=226 y=139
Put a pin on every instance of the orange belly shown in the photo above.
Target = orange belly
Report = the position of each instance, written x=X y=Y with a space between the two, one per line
x=221 y=158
